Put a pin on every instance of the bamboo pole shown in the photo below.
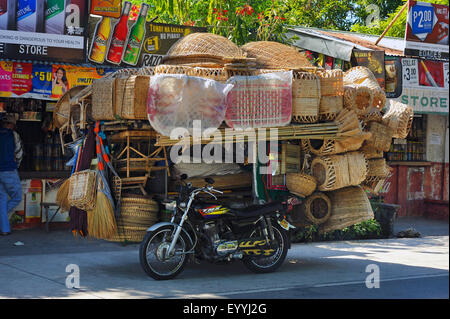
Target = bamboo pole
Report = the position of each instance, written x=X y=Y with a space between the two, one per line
x=392 y=22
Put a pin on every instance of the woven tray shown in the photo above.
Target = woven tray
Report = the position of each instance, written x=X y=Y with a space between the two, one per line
x=103 y=98
x=203 y=43
x=275 y=55
x=338 y=171
x=62 y=107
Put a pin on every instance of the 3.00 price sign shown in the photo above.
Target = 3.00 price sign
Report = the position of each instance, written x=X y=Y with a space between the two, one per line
x=410 y=70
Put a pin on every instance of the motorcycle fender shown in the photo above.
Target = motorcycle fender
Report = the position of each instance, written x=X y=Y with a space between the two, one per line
x=161 y=224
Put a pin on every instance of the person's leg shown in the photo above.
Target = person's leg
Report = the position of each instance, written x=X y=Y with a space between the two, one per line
x=4 y=222
x=14 y=189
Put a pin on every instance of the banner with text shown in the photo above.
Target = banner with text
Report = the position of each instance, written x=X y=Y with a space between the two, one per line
x=427 y=30
x=43 y=30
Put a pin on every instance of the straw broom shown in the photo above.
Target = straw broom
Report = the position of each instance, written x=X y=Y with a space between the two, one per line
x=101 y=220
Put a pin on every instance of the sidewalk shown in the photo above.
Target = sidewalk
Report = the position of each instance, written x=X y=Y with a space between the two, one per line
x=37 y=241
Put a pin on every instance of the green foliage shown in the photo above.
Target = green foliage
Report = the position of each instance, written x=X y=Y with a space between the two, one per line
x=369 y=229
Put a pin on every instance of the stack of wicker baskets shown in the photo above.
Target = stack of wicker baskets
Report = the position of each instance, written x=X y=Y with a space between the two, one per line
x=137 y=214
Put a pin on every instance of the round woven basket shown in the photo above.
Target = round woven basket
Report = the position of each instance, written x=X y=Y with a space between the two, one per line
x=381 y=136
x=137 y=214
x=338 y=171
x=399 y=117
x=358 y=99
x=305 y=97
x=361 y=76
x=203 y=43
x=300 y=184
x=275 y=55
x=62 y=107
x=315 y=210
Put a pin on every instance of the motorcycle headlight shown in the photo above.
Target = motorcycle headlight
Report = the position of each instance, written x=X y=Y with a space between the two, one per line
x=183 y=205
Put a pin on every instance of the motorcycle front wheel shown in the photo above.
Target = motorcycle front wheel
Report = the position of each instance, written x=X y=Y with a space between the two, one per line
x=152 y=253
x=270 y=263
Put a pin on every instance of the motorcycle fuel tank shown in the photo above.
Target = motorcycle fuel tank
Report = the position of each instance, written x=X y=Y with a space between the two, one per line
x=213 y=211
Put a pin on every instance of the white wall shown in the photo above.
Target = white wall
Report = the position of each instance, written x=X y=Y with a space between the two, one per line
x=437 y=138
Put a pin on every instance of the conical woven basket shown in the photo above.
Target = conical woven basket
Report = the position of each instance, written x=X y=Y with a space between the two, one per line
x=300 y=184
x=358 y=98
x=275 y=55
x=338 y=171
x=399 y=117
x=349 y=206
x=203 y=43
x=314 y=210
x=62 y=107
x=381 y=136
x=305 y=97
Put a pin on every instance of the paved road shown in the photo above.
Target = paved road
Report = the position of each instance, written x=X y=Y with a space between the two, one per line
x=407 y=268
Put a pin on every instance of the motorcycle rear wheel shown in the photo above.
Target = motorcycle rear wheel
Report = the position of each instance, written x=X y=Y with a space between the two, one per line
x=152 y=251
x=269 y=264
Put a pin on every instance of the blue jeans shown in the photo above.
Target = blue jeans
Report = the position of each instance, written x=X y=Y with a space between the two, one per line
x=10 y=197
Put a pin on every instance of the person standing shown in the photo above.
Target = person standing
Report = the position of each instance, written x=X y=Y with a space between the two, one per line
x=11 y=152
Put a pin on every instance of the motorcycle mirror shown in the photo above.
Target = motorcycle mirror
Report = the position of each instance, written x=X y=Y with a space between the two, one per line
x=209 y=180
x=183 y=177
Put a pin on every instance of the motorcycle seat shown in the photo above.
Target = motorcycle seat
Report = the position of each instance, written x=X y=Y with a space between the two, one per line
x=257 y=209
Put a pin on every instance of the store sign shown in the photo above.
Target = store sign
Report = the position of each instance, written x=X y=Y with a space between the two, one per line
x=425 y=85
x=43 y=30
x=132 y=43
x=427 y=30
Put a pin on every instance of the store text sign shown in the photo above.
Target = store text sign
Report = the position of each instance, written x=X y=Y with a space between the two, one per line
x=43 y=30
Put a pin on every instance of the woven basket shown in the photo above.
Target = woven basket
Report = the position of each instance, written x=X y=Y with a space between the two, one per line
x=373 y=115
x=381 y=136
x=300 y=184
x=83 y=190
x=349 y=206
x=275 y=55
x=338 y=171
x=314 y=210
x=172 y=69
x=147 y=70
x=203 y=43
x=103 y=99
x=377 y=169
x=131 y=97
x=330 y=107
x=399 y=117
x=216 y=74
x=305 y=97
x=361 y=76
x=62 y=107
x=331 y=82
x=370 y=152
x=137 y=214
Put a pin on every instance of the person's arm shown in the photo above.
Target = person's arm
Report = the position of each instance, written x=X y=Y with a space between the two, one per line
x=18 y=152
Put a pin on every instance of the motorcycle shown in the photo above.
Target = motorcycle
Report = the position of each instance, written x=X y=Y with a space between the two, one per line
x=257 y=235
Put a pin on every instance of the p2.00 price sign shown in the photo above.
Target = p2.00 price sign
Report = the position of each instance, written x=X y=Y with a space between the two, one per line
x=427 y=29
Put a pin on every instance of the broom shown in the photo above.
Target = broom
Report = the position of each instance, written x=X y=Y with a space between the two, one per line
x=101 y=220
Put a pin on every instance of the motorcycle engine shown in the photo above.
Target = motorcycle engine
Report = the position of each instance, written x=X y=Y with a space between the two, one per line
x=220 y=236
